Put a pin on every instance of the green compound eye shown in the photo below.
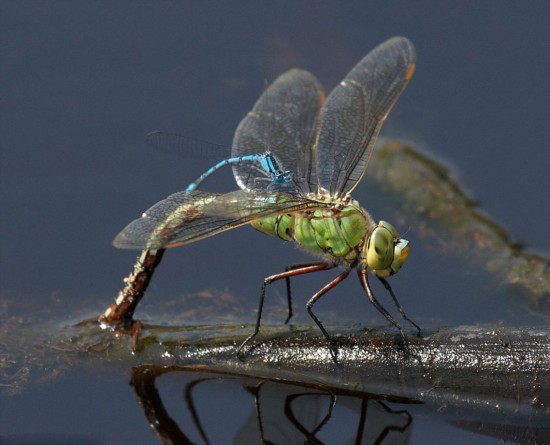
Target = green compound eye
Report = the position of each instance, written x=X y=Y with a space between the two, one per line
x=386 y=252
x=400 y=254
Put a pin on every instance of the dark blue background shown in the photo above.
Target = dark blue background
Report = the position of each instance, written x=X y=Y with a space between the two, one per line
x=82 y=83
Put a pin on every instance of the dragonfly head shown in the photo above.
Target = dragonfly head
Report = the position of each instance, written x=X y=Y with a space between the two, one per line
x=385 y=252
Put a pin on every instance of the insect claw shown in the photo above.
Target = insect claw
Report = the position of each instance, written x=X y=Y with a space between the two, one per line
x=239 y=356
x=333 y=348
x=243 y=344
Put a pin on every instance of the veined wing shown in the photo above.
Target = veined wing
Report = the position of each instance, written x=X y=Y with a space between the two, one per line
x=281 y=121
x=185 y=217
x=355 y=111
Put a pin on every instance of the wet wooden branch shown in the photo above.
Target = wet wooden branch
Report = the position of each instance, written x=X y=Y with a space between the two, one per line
x=501 y=368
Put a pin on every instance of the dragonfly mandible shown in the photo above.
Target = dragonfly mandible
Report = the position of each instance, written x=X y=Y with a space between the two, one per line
x=320 y=147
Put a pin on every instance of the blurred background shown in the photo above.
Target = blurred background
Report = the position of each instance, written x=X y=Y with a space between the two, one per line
x=83 y=82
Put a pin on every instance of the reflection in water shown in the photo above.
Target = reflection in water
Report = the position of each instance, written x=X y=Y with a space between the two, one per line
x=284 y=413
x=291 y=412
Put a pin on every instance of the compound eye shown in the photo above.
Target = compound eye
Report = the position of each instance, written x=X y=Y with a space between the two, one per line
x=386 y=252
x=380 y=249
x=400 y=254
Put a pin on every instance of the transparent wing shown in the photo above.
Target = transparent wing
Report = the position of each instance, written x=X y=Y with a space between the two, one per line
x=281 y=121
x=355 y=111
x=185 y=217
x=181 y=144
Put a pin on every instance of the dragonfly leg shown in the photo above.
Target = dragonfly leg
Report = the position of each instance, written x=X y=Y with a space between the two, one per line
x=313 y=300
x=363 y=278
x=315 y=267
x=288 y=288
x=398 y=305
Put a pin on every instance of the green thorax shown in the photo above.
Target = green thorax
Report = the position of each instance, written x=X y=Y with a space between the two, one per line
x=338 y=232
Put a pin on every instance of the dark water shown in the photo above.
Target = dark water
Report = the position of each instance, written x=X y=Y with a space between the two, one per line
x=83 y=82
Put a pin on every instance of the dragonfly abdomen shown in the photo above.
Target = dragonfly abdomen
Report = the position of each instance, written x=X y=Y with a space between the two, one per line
x=337 y=232
x=281 y=226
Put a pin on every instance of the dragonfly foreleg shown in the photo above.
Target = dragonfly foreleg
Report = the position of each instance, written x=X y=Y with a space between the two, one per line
x=398 y=305
x=309 y=268
x=363 y=278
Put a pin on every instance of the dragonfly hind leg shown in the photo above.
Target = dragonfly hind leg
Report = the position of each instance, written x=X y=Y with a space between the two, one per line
x=290 y=271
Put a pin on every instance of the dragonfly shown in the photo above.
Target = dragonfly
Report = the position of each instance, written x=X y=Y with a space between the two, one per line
x=318 y=149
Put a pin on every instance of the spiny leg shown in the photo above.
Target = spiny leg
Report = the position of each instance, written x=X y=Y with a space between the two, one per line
x=363 y=278
x=311 y=302
x=288 y=289
x=316 y=267
x=398 y=305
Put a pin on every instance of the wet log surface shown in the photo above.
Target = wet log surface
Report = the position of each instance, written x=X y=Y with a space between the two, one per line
x=495 y=368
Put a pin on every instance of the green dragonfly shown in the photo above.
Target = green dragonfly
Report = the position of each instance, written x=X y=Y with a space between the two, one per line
x=323 y=146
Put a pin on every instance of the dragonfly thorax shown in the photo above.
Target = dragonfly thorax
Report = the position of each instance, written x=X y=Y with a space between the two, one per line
x=344 y=235
x=385 y=252
x=338 y=233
